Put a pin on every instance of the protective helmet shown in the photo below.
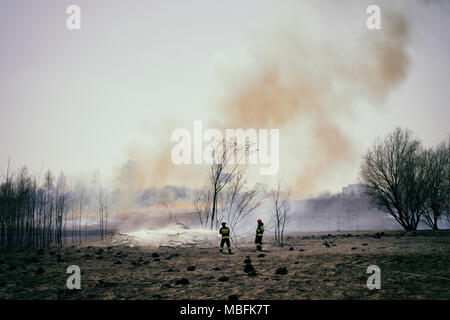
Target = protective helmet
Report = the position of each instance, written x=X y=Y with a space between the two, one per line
x=259 y=221
x=224 y=223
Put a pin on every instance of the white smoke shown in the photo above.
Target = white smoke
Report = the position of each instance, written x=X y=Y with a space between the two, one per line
x=171 y=235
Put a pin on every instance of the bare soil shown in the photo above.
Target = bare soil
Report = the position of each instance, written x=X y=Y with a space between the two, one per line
x=414 y=265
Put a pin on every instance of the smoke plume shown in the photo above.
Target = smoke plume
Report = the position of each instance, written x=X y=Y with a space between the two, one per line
x=301 y=82
x=295 y=82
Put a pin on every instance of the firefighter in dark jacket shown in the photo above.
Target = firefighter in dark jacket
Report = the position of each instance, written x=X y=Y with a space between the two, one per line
x=225 y=233
x=259 y=235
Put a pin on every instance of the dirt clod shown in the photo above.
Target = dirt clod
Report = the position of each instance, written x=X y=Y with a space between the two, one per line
x=105 y=284
x=281 y=271
x=183 y=281
x=248 y=268
x=40 y=271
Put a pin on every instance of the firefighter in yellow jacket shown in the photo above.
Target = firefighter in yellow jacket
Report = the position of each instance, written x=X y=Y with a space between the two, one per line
x=225 y=233
x=259 y=235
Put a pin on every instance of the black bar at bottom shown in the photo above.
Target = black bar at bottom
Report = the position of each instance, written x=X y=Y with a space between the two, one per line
x=207 y=309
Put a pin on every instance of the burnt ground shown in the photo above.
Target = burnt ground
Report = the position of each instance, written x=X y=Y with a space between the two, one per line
x=414 y=265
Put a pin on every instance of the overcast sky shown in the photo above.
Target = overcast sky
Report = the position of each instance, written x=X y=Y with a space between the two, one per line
x=79 y=100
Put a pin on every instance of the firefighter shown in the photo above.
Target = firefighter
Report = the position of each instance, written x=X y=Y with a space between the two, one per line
x=259 y=235
x=225 y=233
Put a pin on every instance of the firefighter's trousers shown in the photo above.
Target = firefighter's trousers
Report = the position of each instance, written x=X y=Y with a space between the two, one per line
x=258 y=242
x=227 y=242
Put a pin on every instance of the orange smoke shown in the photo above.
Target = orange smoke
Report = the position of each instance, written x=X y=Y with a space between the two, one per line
x=299 y=83
x=302 y=83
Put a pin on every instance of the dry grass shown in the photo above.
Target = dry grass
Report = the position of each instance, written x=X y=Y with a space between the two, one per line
x=413 y=266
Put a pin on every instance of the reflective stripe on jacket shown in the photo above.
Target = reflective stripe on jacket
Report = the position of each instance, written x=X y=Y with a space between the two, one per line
x=260 y=230
x=224 y=232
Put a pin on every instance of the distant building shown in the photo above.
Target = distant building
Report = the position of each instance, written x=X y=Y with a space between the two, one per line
x=353 y=190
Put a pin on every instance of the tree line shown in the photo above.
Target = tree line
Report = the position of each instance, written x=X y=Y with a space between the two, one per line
x=34 y=214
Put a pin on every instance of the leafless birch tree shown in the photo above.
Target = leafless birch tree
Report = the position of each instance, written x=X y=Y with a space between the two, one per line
x=281 y=211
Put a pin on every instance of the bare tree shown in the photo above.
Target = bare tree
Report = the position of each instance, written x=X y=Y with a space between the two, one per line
x=80 y=212
x=225 y=159
x=281 y=211
x=103 y=207
x=61 y=206
x=237 y=201
x=101 y=212
x=202 y=205
x=438 y=184
x=49 y=209
x=394 y=173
